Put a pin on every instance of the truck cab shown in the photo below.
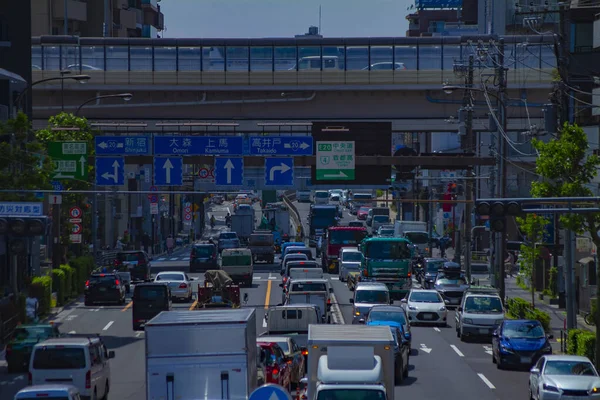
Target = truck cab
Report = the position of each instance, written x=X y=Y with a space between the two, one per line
x=479 y=313
x=337 y=238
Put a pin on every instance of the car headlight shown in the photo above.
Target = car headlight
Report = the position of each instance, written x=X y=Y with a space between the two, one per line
x=412 y=308
x=594 y=390
x=467 y=321
x=357 y=313
x=505 y=348
x=550 y=388
x=442 y=308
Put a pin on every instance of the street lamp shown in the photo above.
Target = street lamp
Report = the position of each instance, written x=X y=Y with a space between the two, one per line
x=77 y=78
x=124 y=96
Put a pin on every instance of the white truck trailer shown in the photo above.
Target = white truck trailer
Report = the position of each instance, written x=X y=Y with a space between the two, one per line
x=182 y=360
x=371 y=363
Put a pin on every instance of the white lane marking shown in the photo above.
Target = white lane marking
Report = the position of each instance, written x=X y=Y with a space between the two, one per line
x=486 y=381
x=425 y=348
x=71 y=317
x=72 y=333
x=256 y=278
x=435 y=328
x=63 y=315
x=337 y=316
x=108 y=325
x=272 y=278
x=488 y=349
x=95 y=309
x=334 y=278
x=186 y=259
x=138 y=333
x=161 y=259
x=264 y=323
x=460 y=354
x=174 y=259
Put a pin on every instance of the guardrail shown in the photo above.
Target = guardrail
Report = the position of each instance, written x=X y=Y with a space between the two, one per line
x=288 y=197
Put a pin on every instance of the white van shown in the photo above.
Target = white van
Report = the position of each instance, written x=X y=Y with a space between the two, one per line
x=313 y=63
x=58 y=392
x=321 y=197
x=73 y=360
x=291 y=318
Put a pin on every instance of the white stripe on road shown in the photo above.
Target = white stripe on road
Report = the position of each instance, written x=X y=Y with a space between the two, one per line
x=435 y=328
x=264 y=323
x=460 y=354
x=272 y=278
x=256 y=278
x=108 y=325
x=336 y=312
x=486 y=381
x=334 y=278
x=72 y=333
x=186 y=259
x=174 y=259
x=161 y=259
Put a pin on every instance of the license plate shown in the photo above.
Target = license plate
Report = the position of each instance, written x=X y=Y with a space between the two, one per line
x=427 y=316
x=102 y=289
x=483 y=331
x=526 y=360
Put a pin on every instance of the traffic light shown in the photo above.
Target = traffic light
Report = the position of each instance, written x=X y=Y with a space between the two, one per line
x=19 y=228
x=498 y=210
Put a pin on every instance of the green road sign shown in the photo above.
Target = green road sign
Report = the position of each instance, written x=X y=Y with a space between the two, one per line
x=335 y=161
x=70 y=160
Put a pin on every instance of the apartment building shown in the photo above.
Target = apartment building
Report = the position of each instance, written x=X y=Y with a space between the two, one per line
x=126 y=18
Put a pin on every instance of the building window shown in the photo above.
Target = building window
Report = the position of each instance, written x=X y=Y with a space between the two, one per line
x=583 y=34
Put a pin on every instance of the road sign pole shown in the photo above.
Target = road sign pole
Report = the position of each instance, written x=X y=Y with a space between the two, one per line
x=95 y=226
x=56 y=248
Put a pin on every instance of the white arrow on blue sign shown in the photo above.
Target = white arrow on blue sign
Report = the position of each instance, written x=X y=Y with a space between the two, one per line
x=279 y=171
x=110 y=171
x=270 y=391
x=229 y=171
x=168 y=171
x=122 y=145
x=281 y=145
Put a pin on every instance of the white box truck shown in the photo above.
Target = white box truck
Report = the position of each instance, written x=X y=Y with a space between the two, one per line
x=183 y=362
x=330 y=346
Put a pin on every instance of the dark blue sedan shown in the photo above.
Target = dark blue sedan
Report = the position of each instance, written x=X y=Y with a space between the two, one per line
x=519 y=343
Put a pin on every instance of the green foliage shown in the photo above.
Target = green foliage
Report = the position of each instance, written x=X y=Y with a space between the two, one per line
x=83 y=266
x=58 y=285
x=533 y=227
x=594 y=310
x=517 y=308
x=23 y=164
x=70 y=281
x=41 y=288
x=521 y=282
x=572 y=340
x=586 y=345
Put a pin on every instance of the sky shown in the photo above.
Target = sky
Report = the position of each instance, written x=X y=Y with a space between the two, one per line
x=283 y=18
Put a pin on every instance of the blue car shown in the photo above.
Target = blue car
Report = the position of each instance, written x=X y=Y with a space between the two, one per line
x=519 y=343
x=390 y=316
x=290 y=244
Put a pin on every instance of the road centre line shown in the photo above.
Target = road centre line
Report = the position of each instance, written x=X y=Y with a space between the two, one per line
x=108 y=325
x=128 y=306
x=486 y=381
x=268 y=294
x=193 y=306
x=460 y=354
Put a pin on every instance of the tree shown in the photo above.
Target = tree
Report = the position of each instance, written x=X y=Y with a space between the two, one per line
x=23 y=163
x=567 y=168
x=533 y=227
x=53 y=133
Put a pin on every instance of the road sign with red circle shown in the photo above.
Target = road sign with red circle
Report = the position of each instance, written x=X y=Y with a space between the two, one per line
x=75 y=212
x=188 y=209
x=153 y=196
x=188 y=217
x=206 y=173
x=76 y=229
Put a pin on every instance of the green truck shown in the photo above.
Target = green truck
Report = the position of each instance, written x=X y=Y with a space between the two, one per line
x=387 y=260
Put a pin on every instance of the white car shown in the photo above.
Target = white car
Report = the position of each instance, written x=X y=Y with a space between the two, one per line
x=179 y=283
x=425 y=306
x=563 y=377
x=350 y=259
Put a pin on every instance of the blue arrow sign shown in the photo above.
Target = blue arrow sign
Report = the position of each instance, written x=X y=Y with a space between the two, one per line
x=281 y=145
x=168 y=171
x=110 y=171
x=279 y=171
x=198 y=145
x=229 y=171
x=270 y=391
x=122 y=145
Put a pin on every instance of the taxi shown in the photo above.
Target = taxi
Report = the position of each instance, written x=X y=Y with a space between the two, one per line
x=19 y=348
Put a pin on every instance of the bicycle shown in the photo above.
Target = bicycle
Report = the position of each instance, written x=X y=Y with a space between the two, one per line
x=589 y=319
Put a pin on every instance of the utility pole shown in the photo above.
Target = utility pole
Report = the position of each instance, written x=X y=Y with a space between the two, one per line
x=468 y=145
x=500 y=246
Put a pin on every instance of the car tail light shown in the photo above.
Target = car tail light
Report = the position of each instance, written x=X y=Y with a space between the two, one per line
x=409 y=274
x=289 y=362
x=285 y=279
x=275 y=372
x=183 y=286
x=30 y=378
x=117 y=282
x=328 y=302
x=88 y=380
x=365 y=272
x=304 y=352
x=87 y=283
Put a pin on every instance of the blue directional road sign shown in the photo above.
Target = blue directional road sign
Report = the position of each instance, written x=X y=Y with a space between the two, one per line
x=198 y=145
x=110 y=171
x=281 y=145
x=270 y=391
x=229 y=171
x=168 y=171
x=279 y=171
x=122 y=145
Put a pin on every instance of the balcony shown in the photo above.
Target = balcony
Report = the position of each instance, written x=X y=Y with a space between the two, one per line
x=128 y=19
x=153 y=17
x=76 y=10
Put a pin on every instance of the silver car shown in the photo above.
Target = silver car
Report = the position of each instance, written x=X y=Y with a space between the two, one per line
x=563 y=377
x=350 y=259
x=179 y=283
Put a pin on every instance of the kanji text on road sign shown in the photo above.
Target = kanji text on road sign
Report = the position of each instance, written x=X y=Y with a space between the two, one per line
x=229 y=171
x=198 y=145
x=281 y=145
x=122 y=145
x=110 y=171
x=70 y=160
x=20 y=209
x=279 y=171
x=335 y=161
x=168 y=171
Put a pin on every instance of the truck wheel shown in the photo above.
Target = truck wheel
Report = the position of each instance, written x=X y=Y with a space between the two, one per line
x=398 y=374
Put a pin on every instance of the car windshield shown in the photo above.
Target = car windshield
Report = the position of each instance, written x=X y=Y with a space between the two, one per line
x=228 y=235
x=295 y=257
x=169 y=277
x=364 y=209
x=386 y=232
x=395 y=316
x=284 y=346
x=381 y=218
x=59 y=358
x=203 y=251
x=454 y=281
x=31 y=332
x=99 y=280
x=433 y=266
x=560 y=367
x=352 y=256
x=151 y=293
x=417 y=237
x=309 y=287
x=425 y=297
x=528 y=330
x=346 y=237
x=351 y=394
x=372 y=296
x=356 y=224
x=483 y=305
x=383 y=249
x=321 y=195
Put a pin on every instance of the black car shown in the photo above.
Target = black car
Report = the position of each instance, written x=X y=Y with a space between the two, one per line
x=104 y=288
x=139 y=264
x=401 y=355
x=451 y=287
x=203 y=256
x=149 y=299
x=519 y=343
x=430 y=270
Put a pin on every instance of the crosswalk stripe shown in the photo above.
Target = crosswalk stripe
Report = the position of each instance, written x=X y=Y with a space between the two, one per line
x=173 y=259
x=161 y=259
x=256 y=278
x=186 y=259
x=334 y=278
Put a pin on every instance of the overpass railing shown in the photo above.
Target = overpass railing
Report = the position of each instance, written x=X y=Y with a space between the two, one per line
x=192 y=61
x=288 y=198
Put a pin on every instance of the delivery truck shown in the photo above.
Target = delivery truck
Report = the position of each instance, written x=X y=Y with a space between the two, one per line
x=330 y=346
x=183 y=361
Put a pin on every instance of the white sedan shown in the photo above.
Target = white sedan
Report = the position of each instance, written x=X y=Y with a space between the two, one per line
x=563 y=377
x=179 y=283
x=425 y=307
